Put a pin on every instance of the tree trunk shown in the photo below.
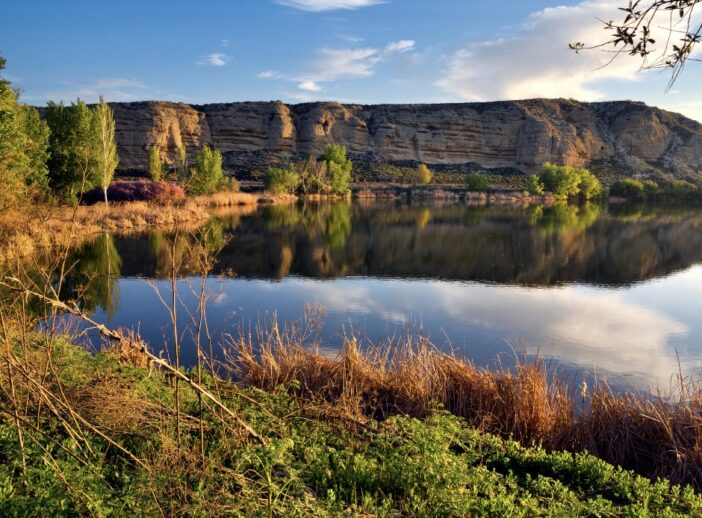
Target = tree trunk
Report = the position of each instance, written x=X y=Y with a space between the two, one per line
x=104 y=190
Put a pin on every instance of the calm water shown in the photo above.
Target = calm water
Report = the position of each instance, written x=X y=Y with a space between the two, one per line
x=593 y=290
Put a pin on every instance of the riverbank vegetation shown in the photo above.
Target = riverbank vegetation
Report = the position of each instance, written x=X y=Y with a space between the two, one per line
x=330 y=175
x=107 y=435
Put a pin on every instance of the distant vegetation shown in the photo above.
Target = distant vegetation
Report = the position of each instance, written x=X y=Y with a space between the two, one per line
x=331 y=174
x=567 y=181
x=648 y=190
x=476 y=182
x=423 y=174
x=72 y=152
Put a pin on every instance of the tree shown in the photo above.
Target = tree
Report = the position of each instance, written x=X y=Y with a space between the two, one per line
x=636 y=34
x=154 y=163
x=207 y=176
x=566 y=181
x=107 y=158
x=338 y=167
x=423 y=174
x=23 y=147
x=181 y=163
x=72 y=146
x=476 y=182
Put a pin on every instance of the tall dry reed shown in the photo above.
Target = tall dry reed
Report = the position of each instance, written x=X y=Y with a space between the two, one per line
x=655 y=435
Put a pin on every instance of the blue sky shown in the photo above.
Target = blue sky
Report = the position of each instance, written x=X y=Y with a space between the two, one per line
x=365 y=51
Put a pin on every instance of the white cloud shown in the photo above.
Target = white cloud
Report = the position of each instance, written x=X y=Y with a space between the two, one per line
x=328 y=5
x=216 y=59
x=310 y=86
x=334 y=64
x=536 y=62
x=268 y=74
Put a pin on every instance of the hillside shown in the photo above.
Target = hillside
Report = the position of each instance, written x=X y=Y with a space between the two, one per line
x=510 y=137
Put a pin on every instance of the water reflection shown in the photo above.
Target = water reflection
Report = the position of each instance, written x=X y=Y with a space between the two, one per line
x=587 y=286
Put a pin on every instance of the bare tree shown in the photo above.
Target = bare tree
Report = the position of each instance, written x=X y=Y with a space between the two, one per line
x=633 y=34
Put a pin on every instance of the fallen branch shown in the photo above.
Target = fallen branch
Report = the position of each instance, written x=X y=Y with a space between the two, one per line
x=116 y=336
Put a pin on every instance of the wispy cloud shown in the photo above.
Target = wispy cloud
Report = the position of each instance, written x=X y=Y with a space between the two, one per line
x=269 y=74
x=337 y=64
x=536 y=60
x=334 y=64
x=328 y=5
x=216 y=59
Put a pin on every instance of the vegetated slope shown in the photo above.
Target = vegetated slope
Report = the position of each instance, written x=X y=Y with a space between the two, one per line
x=107 y=446
x=613 y=138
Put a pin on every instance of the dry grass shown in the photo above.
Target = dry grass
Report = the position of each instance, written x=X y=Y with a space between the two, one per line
x=233 y=199
x=26 y=231
x=653 y=435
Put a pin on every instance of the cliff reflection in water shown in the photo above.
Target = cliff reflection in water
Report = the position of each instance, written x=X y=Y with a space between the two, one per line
x=534 y=246
x=589 y=287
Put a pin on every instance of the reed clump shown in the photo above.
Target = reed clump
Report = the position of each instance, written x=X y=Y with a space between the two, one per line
x=652 y=434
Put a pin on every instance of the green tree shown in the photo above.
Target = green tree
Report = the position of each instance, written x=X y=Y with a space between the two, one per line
x=154 y=163
x=476 y=182
x=23 y=147
x=423 y=174
x=566 y=181
x=181 y=163
x=589 y=186
x=72 y=145
x=534 y=185
x=106 y=155
x=339 y=168
x=207 y=176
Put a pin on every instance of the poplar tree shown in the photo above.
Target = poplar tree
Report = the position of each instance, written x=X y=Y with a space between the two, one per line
x=106 y=149
x=154 y=163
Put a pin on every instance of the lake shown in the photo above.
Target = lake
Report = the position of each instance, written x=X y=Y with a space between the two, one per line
x=608 y=292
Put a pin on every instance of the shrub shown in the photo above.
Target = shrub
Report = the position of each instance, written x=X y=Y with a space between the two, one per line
x=682 y=190
x=124 y=191
x=423 y=174
x=534 y=185
x=282 y=180
x=476 y=182
x=650 y=188
x=207 y=176
x=565 y=181
x=627 y=188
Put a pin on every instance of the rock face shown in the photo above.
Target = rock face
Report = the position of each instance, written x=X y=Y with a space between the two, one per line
x=618 y=138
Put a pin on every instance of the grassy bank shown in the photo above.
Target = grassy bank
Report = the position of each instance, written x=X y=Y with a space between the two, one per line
x=26 y=232
x=95 y=435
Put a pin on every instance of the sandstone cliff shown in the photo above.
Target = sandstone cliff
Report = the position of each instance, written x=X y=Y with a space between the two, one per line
x=614 y=138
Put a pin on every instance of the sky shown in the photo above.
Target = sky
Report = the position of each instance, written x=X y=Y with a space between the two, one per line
x=354 y=51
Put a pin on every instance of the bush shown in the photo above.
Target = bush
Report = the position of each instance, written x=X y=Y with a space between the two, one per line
x=565 y=181
x=627 y=188
x=682 y=190
x=282 y=180
x=534 y=185
x=650 y=189
x=423 y=175
x=124 y=191
x=207 y=176
x=476 y=182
